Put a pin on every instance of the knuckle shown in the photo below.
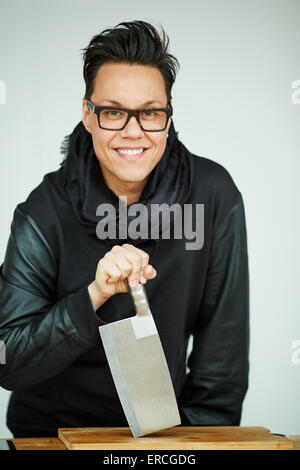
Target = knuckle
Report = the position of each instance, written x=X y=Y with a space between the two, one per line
x=138 y=258
x=110 y=257
x=115 y=248
x=127 y=268
x=137 y=265
x=146 y=258
x=114 y=271
x=127 y=245
x=126 y=271
x=132 y=257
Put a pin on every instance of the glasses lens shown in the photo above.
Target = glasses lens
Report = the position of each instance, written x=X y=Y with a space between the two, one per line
x=151 y=119
x=112 y=118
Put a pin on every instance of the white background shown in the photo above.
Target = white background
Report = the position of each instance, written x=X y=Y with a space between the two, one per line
x=233 y=104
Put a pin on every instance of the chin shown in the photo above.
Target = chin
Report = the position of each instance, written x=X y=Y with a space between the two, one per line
x=131 y=181
x=132 y=176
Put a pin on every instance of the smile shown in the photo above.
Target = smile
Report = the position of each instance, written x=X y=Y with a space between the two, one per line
x=131 y=154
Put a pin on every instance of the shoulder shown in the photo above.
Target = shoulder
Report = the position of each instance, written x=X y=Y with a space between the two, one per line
x=214 y=186
x=29 y=259
x=43 y=209
x=213 y=175
x=48 y=192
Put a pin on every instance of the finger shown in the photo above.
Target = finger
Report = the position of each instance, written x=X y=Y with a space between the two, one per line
x=122 y=263
x=143 y=254
x=132 y=262
x=109 y=270
x=145 y=260
x=149 y=272
x=136 y=262
x=143 y=280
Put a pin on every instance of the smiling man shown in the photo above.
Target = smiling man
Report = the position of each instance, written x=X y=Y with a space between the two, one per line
x=60 y=281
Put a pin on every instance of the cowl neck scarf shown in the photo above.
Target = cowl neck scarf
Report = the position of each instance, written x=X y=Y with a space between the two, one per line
x=169 y=182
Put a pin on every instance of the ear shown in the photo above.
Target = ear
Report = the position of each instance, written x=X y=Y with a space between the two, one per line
x=86 y=115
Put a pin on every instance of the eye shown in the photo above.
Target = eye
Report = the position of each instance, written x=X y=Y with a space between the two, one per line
x=112 y=112
x=148 y=113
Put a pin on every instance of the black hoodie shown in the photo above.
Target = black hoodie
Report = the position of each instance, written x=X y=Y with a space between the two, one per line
x=55 y=362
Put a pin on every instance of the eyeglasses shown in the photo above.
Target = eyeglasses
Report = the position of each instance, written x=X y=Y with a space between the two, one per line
x=115 y=119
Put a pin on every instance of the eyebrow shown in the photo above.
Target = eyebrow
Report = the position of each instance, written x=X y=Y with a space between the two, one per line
x=120 y=104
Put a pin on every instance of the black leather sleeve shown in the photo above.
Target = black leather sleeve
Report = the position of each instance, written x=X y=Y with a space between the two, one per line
x=218 y=364
x=42 y=336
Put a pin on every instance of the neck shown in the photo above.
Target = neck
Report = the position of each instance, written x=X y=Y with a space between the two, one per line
x=133 y=194
x=132 y=191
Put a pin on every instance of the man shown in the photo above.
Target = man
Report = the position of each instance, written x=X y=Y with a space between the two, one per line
x=63 y=277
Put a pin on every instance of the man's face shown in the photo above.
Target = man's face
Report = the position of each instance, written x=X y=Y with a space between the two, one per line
x=131 y=86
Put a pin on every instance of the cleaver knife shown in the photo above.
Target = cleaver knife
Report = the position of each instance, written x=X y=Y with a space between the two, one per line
x=139 y=369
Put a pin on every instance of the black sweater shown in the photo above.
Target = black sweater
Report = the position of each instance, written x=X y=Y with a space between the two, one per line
x=55 y=362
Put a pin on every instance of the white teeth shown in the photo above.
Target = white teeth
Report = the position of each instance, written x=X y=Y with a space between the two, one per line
x=131 y=152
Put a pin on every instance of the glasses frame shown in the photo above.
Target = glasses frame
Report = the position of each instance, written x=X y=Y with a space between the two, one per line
x=131 y=112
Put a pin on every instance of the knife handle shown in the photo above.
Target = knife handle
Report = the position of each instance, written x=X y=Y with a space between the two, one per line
x=140 y=300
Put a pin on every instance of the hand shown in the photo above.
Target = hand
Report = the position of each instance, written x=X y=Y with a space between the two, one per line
x=119 y=263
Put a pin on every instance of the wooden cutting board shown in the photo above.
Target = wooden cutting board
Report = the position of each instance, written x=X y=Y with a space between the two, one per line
x=176 y=438
x=40 y=443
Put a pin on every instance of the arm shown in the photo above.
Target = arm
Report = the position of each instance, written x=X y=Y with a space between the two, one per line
x=42 y=336
x=216 y=385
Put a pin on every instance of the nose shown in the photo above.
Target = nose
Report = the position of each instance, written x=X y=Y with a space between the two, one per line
x=132 y=129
